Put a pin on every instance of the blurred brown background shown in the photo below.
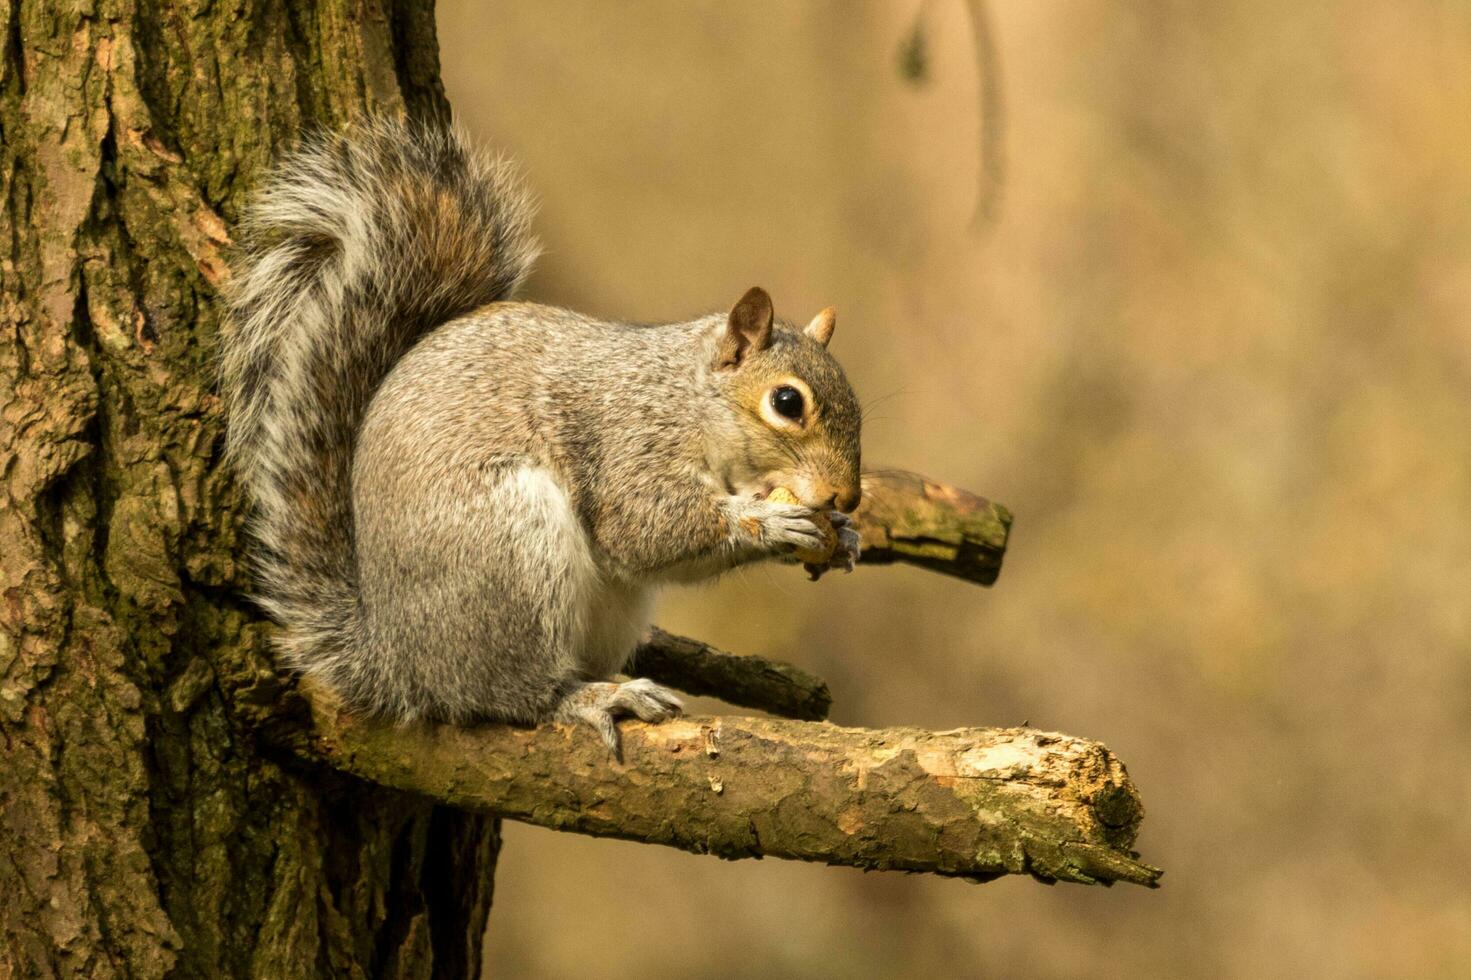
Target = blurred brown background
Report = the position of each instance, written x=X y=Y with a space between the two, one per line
x=1215 y=354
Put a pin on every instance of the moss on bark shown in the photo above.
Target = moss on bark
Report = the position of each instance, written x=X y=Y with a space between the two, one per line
x=144 y=829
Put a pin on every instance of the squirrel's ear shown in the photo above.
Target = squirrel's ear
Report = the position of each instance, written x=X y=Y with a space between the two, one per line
x=747 y=330
x=821 y=327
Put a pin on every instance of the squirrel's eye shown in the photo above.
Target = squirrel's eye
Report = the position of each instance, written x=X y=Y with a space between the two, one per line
x=787 y=401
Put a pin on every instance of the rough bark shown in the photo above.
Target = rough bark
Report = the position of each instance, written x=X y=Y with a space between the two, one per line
x=973 y=803
x=143 y=829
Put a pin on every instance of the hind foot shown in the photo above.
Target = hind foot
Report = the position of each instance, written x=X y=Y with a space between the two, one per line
x=600 y=705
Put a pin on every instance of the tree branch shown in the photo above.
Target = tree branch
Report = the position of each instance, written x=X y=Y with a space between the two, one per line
x=906 y=517
x=972 y=803
x=751 y=682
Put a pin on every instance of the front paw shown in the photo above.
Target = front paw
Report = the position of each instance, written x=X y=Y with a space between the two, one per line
x=845 y=554
x=778 y=528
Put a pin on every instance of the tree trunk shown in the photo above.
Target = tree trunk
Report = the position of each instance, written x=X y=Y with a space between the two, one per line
x=145 y=827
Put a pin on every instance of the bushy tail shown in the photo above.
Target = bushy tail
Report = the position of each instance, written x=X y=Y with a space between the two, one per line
x=357 y=246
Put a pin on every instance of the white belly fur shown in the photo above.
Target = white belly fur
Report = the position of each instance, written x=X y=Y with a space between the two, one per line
x=609 y=616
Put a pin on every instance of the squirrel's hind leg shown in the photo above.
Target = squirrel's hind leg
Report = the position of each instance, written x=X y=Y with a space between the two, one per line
x=482 y=600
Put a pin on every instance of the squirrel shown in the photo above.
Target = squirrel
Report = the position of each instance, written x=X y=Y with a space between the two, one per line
x=463 y=504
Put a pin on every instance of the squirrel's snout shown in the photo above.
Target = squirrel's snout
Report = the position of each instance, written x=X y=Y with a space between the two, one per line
x=840 y=496
x=844 y=499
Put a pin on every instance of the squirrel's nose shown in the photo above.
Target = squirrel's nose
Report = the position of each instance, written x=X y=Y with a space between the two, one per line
x=848 y=501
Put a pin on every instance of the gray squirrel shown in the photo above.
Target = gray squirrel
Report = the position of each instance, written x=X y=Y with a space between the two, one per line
x=462 y=503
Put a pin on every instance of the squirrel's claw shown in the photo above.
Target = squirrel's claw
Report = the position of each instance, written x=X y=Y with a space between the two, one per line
x=845 y=555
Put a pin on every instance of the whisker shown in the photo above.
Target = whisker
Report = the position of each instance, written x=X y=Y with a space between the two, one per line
x=865 y=405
